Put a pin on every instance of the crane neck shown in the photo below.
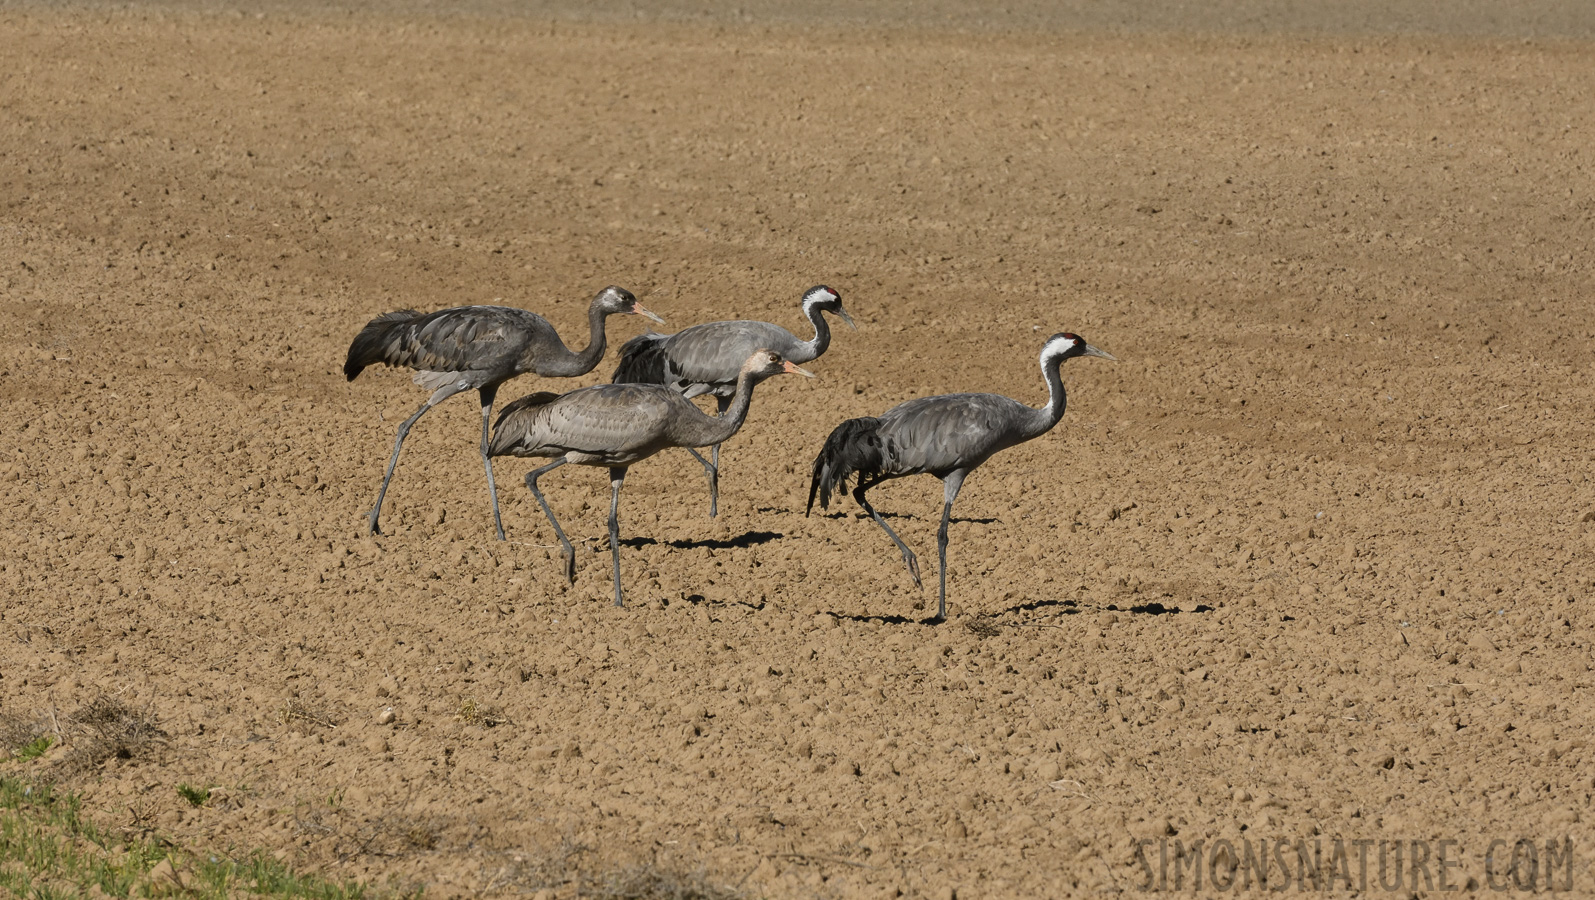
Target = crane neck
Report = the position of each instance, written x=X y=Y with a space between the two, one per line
x=594 y=351
x=701 y=429
x=567 y=363
x=822 y=334
x=1057 y=398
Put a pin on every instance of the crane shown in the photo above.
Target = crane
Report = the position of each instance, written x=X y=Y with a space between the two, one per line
x=615 y=426
x=480 y=347
x=946 y=436
x=705 y=359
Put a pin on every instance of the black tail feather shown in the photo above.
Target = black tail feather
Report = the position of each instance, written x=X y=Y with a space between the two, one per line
x=854 y=448
x=503 y=438
x=642 y=360
x=536 y=398
x=372 y=344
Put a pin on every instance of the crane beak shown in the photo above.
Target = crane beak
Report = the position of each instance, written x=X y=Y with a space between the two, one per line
x=846 y=318
x=637 y=308
x=1093 y=351
x=795 y=369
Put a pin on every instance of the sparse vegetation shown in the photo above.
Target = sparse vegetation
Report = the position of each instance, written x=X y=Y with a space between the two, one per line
x=23 y=737
x=301 y=715
x=194 y=795
x=650 y=882
x=48 y=848
x=483 y=715
x=576 y=866
x=108 y=728
x=35 y=748
x=421 y=835
x=351 y=836
x=103 y=728
x=983 y=627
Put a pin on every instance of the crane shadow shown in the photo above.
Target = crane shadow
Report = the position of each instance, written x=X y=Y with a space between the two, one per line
x=888 y=620
x=895 y=515
x=1155 y=608
x=741 y=541
x=859 y=515
x=1070 y=607
x=700 y=600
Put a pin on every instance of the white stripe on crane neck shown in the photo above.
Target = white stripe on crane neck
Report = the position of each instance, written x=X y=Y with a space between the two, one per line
x=814 y=298
x=1055 y=348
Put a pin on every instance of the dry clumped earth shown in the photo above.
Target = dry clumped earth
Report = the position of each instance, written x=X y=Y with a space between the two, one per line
x=1314 y=559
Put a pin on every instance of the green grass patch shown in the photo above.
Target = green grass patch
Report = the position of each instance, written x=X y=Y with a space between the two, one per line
x=196 y=796
x=49 y=849
x=35 y=748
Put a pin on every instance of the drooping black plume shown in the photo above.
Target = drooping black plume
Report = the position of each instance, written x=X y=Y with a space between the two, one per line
x=506 y=436
x=642 y=360
x=537 y=398
x=377 y=342
x=854 y=448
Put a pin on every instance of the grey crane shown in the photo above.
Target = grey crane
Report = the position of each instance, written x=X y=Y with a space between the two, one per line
x=946 y=436
x=615 y=426
x=480 y=347
x=705 y=359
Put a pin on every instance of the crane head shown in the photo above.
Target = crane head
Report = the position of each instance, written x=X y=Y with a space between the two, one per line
x=612 y=300
x=766 y=363
x=1067 y=345
x=821 y=297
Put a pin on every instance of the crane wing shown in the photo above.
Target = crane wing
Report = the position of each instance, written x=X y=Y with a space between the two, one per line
x=616 y=422
x=949 y=431
x=468 y=338
x=713 y=353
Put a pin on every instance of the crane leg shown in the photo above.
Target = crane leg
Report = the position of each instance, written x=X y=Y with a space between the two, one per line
x=617 y=477
x=570 y=552
x=909 y=559
x=712 y=469
x=487 y=461
x=953 y=483
x=438 y=396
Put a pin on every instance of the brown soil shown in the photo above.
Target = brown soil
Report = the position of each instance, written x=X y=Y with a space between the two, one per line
x=1313 y=559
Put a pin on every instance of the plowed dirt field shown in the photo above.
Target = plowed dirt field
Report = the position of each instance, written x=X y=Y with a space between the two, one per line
x=1311 y=561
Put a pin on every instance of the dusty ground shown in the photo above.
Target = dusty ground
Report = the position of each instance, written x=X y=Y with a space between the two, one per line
x=1313 y=560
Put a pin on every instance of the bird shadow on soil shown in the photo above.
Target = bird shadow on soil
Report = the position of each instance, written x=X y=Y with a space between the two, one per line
x=955 y=520
x=741 y=541
x=1065 y=607
x=1155 y=608
x=889 y=620
x=701 y=600
x=1072 y=607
